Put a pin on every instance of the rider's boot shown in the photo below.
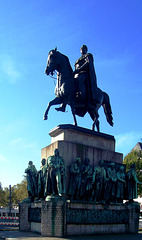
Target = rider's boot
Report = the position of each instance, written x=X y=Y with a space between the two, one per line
x=62 y=108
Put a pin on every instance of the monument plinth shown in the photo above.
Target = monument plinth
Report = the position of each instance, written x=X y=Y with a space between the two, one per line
x=63 y=215
x=75 y=141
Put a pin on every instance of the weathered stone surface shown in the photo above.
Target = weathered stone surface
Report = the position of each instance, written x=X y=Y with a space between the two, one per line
x=60 y=218
x=106 y=219
x=85 y=216
x=24 y=224
x=75 y=142
x=83 y=136
x=52 y=221
x=57 y=217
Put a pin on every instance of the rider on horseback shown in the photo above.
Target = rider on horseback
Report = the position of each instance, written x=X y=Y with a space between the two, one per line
x=85 y=77
x=78 y=89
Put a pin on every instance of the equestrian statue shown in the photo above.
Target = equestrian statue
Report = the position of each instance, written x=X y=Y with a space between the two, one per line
x=77 y=88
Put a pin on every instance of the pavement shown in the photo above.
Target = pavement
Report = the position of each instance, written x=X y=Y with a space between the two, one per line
x=11 y=235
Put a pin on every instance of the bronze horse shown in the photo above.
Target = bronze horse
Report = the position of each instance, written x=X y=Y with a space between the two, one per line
x=66 y=91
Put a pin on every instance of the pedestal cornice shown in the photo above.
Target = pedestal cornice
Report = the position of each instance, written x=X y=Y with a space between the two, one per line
x=68 y=132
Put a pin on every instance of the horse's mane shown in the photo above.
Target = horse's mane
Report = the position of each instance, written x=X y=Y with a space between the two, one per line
x=67 y=59
x=64 y=56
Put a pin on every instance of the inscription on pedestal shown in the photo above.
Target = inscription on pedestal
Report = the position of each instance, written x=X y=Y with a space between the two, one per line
x=34 y=215
x=81 y=216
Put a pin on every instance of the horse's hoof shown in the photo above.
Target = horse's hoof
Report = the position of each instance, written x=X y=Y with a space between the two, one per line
x=45 y=117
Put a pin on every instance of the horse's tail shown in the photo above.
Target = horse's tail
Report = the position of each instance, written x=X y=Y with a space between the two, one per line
x=107 y=109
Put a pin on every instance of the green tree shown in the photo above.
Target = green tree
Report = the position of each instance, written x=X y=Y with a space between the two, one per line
x=3 y=197
x=19 y=192
x=135 y=157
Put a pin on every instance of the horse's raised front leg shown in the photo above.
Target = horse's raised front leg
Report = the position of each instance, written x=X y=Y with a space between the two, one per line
x=55 y=101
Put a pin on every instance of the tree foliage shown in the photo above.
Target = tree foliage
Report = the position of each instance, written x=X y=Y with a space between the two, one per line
x=18 y=193
x=3 y=197
x=135 y=157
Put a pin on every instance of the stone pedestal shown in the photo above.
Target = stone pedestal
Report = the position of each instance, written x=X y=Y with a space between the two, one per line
x=134 y=209
x=73 y=142
x=53 y=218
x=59 y=218
x=89 y=218
x=24 y=224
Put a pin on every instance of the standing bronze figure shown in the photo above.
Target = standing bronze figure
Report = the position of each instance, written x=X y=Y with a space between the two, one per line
x=79 y=88
x=32 y=179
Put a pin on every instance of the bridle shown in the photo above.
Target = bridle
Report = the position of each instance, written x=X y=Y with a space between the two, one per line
x=54 y=72
x=50 y=75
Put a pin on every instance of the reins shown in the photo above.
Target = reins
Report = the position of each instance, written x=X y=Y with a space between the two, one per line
x=53 y=77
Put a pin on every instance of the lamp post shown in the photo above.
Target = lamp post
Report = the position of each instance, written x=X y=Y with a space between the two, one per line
x=9 y=200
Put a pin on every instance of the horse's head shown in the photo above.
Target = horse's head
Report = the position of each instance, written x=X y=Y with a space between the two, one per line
x=51 y=62
x=58 y=61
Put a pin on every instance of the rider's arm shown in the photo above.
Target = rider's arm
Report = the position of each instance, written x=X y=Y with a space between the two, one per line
x=83 y=67
x=88 y=60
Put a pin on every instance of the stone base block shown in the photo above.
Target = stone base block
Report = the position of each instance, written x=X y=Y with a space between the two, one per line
x=82 y=218
x=52 y=221
x=75 y=142
x=57 y=218
x=24 y=224
x=92 y=229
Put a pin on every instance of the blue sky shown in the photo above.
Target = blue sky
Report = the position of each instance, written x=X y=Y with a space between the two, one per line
x=29 y=29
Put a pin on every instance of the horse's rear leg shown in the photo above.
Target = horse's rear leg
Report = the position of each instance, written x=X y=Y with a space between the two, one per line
x=94 y=115
x=74 y=117
x=55 y=101
x=97 y=124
